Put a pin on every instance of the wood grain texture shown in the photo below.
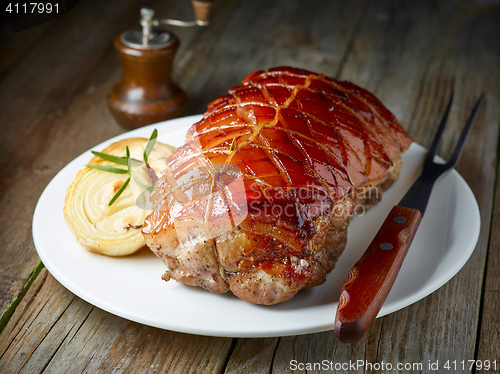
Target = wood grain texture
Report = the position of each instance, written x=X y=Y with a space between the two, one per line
x=489 y=333
x=252 y=355
x=247 y=36
x=410 y=54
x=427 y=69
x=15 y=45
x=58 y=332
x=43 y=84
x=396 y=43
x=53 y=107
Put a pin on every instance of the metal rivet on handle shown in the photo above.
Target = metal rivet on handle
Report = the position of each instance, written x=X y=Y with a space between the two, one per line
x=385 y=246
x=400 y=219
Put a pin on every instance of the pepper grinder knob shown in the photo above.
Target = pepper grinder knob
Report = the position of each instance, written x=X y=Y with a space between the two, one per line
x=147 y=15
x=146 y=93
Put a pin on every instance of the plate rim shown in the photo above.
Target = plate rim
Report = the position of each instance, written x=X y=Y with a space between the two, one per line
x=179 y=124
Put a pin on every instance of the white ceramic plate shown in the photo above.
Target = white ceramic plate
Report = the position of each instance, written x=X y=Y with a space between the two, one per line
x=132 y=288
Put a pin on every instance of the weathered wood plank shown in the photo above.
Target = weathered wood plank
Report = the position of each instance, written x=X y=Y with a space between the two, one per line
x=247 y=36
x=448 y=67
x=13 y=46
x=57 y=332
x=53 y=107
x=410 y=54
x=397 y=56
x=252 y=355
x=489 y=335
x=18 y=319
x=85 y=120
x=66 y=112
x=34 y=95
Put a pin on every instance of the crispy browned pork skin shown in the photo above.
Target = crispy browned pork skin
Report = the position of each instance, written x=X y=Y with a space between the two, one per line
x=259 y=198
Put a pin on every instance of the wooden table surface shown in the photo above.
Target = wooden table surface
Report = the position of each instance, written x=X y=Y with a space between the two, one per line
x=54 y=80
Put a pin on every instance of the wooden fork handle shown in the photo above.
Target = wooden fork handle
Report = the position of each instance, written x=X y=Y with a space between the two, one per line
x=372 y=277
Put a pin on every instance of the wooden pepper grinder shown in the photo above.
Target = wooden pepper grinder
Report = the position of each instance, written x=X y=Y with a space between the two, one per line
x=147 y=93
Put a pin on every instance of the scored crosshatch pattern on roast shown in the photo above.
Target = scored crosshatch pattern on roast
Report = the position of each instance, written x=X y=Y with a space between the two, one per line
x=295 y=129
x=307 y=147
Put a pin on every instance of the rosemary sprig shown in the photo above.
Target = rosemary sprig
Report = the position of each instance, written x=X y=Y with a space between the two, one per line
x=110 y=169
x=116 y=159
x=129 y=162
x=149 y=146
x=142 y=185
x=124 y=185
x=119 y=192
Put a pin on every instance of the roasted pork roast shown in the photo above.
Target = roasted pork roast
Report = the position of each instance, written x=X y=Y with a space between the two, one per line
x=258 y=199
